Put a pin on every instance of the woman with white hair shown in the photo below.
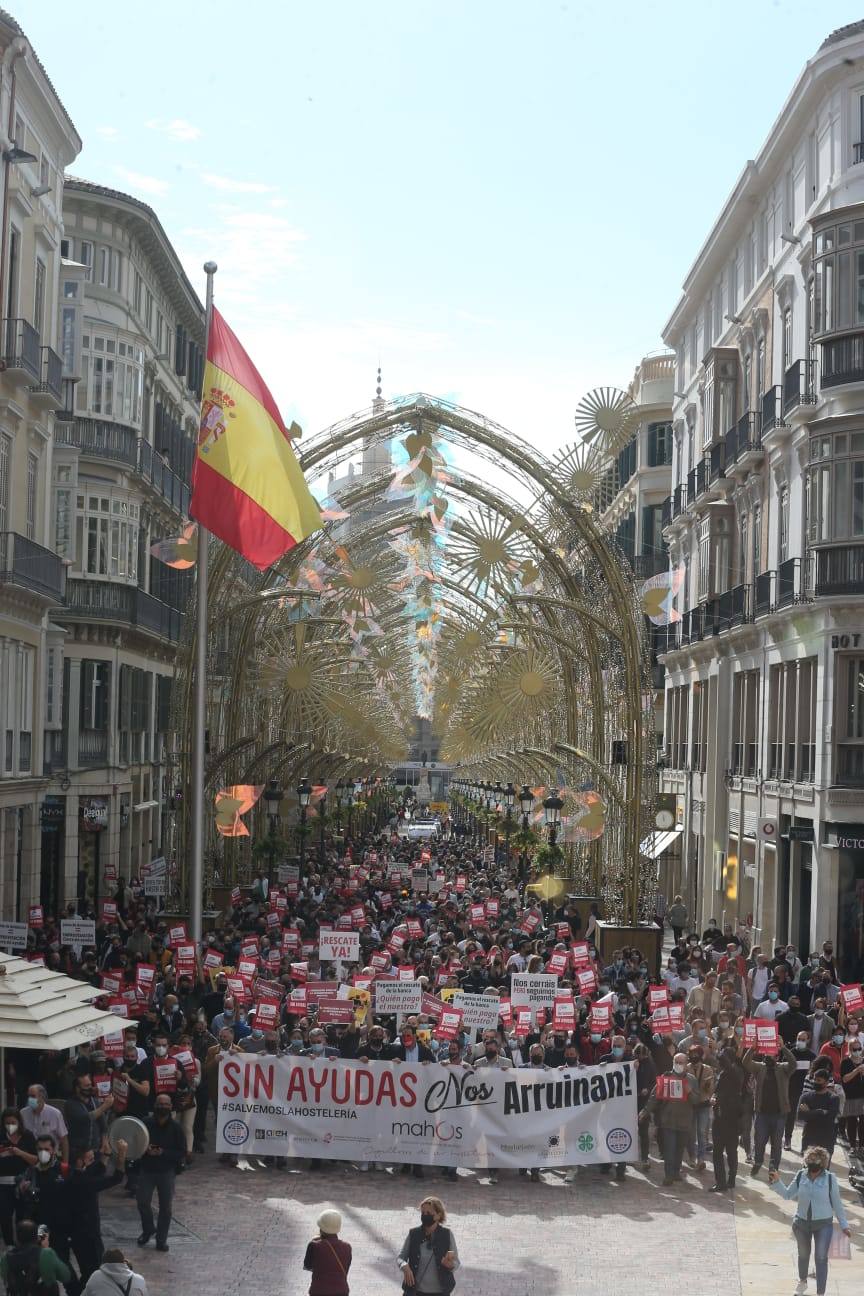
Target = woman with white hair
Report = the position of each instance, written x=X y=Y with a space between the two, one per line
x=328 y=1258
x=817 y=1192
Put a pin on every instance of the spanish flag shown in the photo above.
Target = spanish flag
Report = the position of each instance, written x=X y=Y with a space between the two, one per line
x=247 y=486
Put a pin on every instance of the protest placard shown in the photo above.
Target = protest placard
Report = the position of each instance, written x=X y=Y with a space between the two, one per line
x=78 y=932
x=533 y=990
x=479 y=1012
x=763 y=1036
x=13 y=936
x=398 y=996
x=336 y=945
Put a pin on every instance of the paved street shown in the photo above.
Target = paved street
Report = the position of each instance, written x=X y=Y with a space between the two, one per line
x=240 y=1230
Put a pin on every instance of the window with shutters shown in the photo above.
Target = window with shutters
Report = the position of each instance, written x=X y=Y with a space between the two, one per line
x=32 y=484
x=39 y=288
x=5 y=469
x=660 y=441
x=163 y=703
x=94 y=704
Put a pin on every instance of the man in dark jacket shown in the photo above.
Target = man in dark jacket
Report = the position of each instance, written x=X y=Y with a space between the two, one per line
x=730 y=1090
x=83 y=1186
x=409 y=1049
x=42 y=1197
x=159 y=1165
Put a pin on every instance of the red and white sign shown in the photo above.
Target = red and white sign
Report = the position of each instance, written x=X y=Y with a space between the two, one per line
x=564 y=1013
x=36 y=916
x=267 y=1015
x=290 y=938
x=671 y=1088
x=236 y=898
x=492 y=908
x=601 y=1018
x=358 y=916
x=530 y=923
x=853 y=999
x=562 y=931
x=335 y=1012
x=449 y=1024
x=249 y=947
x=187 y=1061
x=178 y=935
x=580 y=954
x=557 y=964
x=108 y=911
x=587 y=981
x=523 y=1022
x=461 y=883
x=478 y=915
x=145 y=975
x=406 y=972
x=505 y=1012
x=763 y=1036
x=247 y=968
x=658 y=997
x=110 y=982
x=300 y=972
x=164 y=1076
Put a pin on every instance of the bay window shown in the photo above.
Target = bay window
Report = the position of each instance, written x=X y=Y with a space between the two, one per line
x=835 y=482
x=107 y=525
x=112 y=378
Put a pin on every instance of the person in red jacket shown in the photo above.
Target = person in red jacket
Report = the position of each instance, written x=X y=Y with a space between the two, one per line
x=328 y=1258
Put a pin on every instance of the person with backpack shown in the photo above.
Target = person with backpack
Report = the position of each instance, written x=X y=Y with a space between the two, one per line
x=328 y=1258
x=32 y=1268
x=817 y=1192
x=115 y=1275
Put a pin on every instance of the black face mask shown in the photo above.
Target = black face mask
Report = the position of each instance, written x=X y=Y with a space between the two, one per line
x=427 y=1219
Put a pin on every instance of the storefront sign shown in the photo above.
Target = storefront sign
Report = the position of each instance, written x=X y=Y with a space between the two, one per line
x=432 y=1115
x=845 y=836
x=94 y=814
x=801 y=832
x=52 y=814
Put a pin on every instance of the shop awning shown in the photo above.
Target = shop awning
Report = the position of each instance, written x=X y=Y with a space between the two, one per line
x=657 y=842
x=41 y=1009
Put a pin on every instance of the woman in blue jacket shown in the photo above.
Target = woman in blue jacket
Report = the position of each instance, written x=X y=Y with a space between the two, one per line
x=817 y=1193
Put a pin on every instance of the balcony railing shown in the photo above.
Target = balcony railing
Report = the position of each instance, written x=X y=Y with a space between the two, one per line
x=842 y=360
x=645 y=565
x=666 y=512
x=679 y=499
x=111 y=601
x=106 y=440
x=748 y=434
x=690 y=486
x=798 y=385
x=850 y=766
x=733 y=607
x=24 y=562
x=51 y=378
x=25 y=751
x=717 y=462
x=762 y=601
x=21 y=348
x=772 y=415
x=840 y=570
x=788 y=582
x=53 y=751
x=92 y=747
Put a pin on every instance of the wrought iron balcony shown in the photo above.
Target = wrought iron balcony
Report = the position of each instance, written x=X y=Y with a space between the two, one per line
x=748 y=435
x=717 y=462
x=21 y=348
x=690 y=486
x=733 y=607
x=51 y=376
x=646 y=565
x=788 y=588
x=679 y=499
x=29 y=565
x=772 y=413
x=666 y=512
x=110 y=601
x=842 y=360
x=763 y=593
x=840 y=570
x=103 y=439
x=798 y=385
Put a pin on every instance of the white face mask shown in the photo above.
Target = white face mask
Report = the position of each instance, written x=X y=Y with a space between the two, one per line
x=44 y=1156
x=11 y=1129
x=160 y=1050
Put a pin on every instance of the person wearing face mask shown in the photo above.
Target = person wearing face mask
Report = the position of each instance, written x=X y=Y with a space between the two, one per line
x=215 y=1054
x=673 y=1113
x=86 y=1117
x=254 y=1041
x=704 y=1077
x=727 y=1106
x=619 y=1052
x=231 y=1017
x=758 y=978
x=804 y=1057
x=834 y=1049
x=852 y=1080
x=493 y=1057
x=318 y=1046
x=166 y=1151
x=820 y=1024
x=17 y=1153
x=429 y=1255
x=537 y=1061
x=817 y=1193
x=40 y=1192
x=792 y=1023
x=38 y=1118
x=772 y=1006
x=771 y=1103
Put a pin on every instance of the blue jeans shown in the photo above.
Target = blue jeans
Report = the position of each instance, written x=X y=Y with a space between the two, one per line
x=768 y=1127
x=703 y=1131
x=820 y=1231
x=673 y=1142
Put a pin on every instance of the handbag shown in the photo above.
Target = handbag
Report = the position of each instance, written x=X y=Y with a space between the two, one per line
x=840 y=1247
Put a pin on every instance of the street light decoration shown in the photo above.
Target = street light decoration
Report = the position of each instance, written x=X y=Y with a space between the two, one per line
x=607 y=418
x=231 y=803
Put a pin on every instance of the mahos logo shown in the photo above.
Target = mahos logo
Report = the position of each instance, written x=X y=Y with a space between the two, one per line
x=444 y=1131
x=235 y=1132
x=619 y=1141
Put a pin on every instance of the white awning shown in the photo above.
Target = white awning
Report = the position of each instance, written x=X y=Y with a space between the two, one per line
x=41 y=1009
x=657 y=842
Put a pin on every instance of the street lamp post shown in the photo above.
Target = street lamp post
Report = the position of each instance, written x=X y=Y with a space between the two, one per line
x=497 y=798
x=340 y=788
x=272 y=797
x=526 y=803
x=552 y=806
x=322 y=807
x=348 y=802
x=304 y=792
x=509 y=798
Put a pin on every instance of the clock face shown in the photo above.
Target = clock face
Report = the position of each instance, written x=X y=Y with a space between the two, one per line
x=664 y=819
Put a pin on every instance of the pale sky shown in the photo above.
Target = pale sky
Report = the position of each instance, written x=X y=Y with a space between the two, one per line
x=498 y=200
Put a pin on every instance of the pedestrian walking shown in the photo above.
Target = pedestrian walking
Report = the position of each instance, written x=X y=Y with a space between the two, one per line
x=429 y=1256
x=677 y=917
x=328 y=1258
x=817 y=1192
x=165 y=1153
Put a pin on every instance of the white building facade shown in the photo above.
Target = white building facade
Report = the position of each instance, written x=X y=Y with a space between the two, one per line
x=764 y=727
x=132 y=330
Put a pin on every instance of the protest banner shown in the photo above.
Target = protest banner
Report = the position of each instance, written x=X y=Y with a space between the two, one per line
x=853 y=1000
x=763 y=1036
x=360 y=998
x=13 y=936
x=533 y=989
x=288 y=873
x=676 y=1016
x=479 y=1012
x=580 y=955
x=406 y=972
x=397 y=996
x=523 y=1021
x=77 y=932
x=449 y=1024
x=334 y=1011
x=564 y=1012
x=164 y=1076
x=338 y=946
x=658 y=996
x=156 y=886
x=177 y=934
x=108 y=912
x=419 y=880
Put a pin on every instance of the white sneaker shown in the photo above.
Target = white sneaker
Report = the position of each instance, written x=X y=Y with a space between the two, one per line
x=801 y=1288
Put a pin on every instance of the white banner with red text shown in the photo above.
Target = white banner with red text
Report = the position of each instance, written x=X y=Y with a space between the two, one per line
x=428 y=1114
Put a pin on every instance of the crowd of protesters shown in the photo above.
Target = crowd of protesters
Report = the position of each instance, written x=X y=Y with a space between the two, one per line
x=705 y=1083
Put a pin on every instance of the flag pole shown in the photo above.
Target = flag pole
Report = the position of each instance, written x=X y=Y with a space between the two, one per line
x=196 y=890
